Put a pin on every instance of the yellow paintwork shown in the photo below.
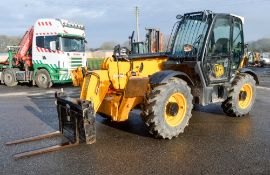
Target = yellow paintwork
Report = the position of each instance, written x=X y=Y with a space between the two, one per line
x=180 y=100
x=218 y=70
x=117 y=107
x=77 y=76
x=95 y=87
x=106 y=87
x=244 y=61
x=246 y=102
x=119 y=72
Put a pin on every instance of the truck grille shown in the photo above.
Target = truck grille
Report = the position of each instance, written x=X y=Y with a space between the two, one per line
x=75 y=62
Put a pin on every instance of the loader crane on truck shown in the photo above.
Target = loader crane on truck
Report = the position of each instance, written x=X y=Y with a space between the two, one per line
x=46 y=54
x=204 y=65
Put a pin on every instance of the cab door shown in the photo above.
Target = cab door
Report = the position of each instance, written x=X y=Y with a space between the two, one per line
x=216 y=63
x=237 y=44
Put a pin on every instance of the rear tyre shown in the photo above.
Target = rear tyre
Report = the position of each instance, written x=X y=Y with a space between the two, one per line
x=10 y=78
x=43 y=79
x=167 y=109
x=241 y=97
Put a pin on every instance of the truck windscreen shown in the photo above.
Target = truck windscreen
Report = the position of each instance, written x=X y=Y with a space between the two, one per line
x=72 y=44
x=190 y=36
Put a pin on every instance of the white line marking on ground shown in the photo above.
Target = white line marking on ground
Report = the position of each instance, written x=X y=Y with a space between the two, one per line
x=265 y=88
x=26 y=93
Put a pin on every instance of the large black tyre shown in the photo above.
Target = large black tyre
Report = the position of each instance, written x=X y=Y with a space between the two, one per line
x=9 y=78
x=163 y=111
x=43 y=79
x=241 y=96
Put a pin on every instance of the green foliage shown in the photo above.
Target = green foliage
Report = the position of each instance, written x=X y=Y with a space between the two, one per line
x=94 y=63
x=8 y=41
x=108 y=45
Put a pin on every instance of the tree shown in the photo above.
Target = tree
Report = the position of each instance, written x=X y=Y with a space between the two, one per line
x=261 y=45
x=126 y=44
x=109 y=45
x=166 y=41
x=8 y=41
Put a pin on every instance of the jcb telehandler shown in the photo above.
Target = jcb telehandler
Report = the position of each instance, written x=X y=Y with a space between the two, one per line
x=205 y=64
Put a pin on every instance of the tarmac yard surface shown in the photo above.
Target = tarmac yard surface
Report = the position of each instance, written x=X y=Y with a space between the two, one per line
x=212 y=143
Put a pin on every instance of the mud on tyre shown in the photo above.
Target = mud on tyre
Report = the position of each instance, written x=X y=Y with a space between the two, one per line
x=167 y=109
x=241 y=96
x=9 y=77
x=43 y=79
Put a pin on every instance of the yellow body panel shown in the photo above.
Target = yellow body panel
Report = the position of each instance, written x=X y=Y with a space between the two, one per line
x=77 y=76
x=106 y=88
x=120 y=71
x=95 y=87
x=117 y=107
x=244 y=61
x=126 y=105
x=149 y=66
x=118 y=74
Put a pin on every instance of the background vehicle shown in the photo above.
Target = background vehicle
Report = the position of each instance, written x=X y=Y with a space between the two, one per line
x=152 y=44
x=205 y=64
x=265 y=59
x=46 y=54
x=254 y=59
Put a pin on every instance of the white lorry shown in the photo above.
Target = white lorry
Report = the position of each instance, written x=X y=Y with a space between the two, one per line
x=47 y=53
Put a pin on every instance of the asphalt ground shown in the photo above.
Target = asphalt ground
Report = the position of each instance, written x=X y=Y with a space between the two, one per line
x=212 y=143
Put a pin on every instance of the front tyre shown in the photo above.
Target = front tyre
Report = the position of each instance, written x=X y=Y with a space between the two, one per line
x=43 y=79
x=168 y=109
x=10 y=78
x=241 y=97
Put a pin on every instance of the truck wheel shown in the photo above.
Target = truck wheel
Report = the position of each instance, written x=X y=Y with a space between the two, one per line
x=43 y=79
x=168 y=109
x=10 y=78
x=241 y=97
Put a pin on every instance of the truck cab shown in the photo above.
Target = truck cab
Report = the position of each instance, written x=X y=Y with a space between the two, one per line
x=47 y=54
x=58 y=47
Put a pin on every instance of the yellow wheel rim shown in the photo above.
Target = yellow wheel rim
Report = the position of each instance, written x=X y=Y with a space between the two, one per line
x=245 y=96
x=175 y=109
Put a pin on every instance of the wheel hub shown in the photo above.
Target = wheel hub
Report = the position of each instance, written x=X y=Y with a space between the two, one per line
x=242 y=95
x=42 y=78
x=172 y=108
x=175 y=109
x=245 y=96
x=8 y=78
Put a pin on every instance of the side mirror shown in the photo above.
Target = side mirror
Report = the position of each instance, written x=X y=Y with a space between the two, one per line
x=53 y=45
x=85 y=41
x=179 y=16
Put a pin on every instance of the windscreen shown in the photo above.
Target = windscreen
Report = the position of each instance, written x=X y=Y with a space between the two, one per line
x=190 y=36
x=73 y=44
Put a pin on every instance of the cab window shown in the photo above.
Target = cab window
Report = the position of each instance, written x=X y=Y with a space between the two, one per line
x=44 y=41
x=237 y=43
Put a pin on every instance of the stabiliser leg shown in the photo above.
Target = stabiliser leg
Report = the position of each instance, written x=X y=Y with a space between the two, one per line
x=76 y=123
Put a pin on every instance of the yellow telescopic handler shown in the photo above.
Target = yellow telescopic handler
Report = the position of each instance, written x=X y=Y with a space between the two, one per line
x=204 y=64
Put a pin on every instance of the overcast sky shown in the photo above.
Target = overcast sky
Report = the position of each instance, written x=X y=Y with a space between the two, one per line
x=114 y=20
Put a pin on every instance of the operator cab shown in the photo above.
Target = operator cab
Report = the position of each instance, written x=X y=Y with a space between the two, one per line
x=212 y=41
